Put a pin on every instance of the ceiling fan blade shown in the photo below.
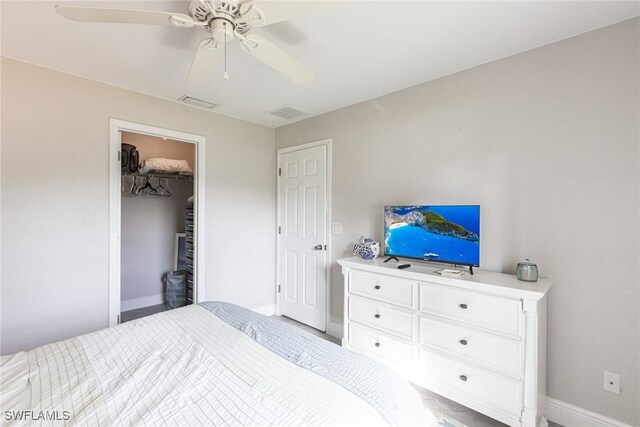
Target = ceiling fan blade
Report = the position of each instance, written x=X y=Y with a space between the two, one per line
x=278 y=11
x=204 y=63
x=277 y=59
x=124 y=16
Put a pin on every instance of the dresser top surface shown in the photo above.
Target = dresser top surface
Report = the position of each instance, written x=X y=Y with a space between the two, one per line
x=498 y=283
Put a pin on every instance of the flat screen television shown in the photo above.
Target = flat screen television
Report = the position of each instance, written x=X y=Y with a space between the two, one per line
x=440 y=233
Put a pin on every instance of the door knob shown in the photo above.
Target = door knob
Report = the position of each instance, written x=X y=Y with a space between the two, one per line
x=317 y=248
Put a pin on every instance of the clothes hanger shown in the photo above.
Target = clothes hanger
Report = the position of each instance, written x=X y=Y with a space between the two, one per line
x=160 y=186
x=134 y=186
x=154 y=190
x=145 y=186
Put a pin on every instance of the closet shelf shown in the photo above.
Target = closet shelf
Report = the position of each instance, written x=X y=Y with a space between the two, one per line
x=173 y=176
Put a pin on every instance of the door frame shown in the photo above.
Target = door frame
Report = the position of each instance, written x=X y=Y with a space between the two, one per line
x=115 y=207
x=327 y=143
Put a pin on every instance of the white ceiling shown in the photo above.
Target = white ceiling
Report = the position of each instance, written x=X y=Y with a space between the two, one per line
x=359 y=50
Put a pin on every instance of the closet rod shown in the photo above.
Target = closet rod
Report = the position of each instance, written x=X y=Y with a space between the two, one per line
x=175 y=177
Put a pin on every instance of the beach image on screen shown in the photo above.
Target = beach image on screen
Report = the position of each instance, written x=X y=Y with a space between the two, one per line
x=449 y=234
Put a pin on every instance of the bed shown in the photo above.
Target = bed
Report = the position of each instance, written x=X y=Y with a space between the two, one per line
x=208 y=364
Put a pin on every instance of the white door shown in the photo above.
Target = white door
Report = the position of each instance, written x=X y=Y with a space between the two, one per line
x=302 y=206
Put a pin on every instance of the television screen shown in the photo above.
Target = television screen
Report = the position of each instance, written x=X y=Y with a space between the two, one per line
x=448 y=234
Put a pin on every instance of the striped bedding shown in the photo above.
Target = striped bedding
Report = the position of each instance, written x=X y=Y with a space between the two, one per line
x=200 y=365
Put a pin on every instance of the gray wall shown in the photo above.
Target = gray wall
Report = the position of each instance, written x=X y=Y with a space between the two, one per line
x=547 y=142
x=55 y=201
x=149 y=227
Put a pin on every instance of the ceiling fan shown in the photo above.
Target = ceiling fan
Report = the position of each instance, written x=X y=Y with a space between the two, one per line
x=224 y=20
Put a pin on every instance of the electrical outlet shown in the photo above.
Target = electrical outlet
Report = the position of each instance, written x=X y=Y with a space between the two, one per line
x=611 y=382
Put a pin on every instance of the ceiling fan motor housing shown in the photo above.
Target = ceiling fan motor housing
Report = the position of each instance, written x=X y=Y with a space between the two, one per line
x=221 y=29
x=226 y=11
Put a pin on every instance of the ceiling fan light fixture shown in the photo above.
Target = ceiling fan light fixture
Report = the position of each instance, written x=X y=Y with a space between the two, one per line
x=221 y=29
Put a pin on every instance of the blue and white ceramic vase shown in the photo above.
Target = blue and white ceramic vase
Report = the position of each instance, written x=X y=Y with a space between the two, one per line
x=366 y=248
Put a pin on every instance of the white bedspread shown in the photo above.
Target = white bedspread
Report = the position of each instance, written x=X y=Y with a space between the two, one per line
x=184 y=367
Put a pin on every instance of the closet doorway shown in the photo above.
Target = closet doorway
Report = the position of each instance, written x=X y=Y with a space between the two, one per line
x=156 y=238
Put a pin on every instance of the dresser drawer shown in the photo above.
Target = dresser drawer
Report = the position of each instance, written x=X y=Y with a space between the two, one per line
x=473 y=383
x=495 y=352
x=385 y=288
x=499 y=314
x=368 y=340
x=381 y=316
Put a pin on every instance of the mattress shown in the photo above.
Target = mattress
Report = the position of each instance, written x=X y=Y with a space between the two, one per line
x=208 y=364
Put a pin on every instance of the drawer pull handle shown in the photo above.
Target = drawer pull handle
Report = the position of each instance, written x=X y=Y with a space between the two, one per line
x=463 y=377
x=463 y=306
x=376 y=287
x=463 y=342
x=377 y=316
x=377 y=344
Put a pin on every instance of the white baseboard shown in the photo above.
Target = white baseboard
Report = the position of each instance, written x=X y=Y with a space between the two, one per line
x=335 y=330
x=132 y=304
x=570 y=415
x=267 y=310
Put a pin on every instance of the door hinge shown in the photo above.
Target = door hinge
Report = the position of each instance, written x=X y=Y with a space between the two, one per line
x=279 y=171
x=119 y=156
x=279 y=230
x=278 y=288
x=118 y=320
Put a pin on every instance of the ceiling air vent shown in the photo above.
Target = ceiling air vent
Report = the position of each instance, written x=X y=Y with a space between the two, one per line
x=197 y=102
x=288 y=112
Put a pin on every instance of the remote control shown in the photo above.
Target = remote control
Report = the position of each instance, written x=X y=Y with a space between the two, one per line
x=403 y=266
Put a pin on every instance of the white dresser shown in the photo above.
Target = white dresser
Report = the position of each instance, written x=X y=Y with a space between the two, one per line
x=479 y=339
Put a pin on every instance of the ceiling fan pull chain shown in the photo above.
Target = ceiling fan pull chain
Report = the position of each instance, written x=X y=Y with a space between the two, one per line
x=225 y=75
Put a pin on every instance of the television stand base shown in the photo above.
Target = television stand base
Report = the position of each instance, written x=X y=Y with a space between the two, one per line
x=470 y=268
x=390 y=258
